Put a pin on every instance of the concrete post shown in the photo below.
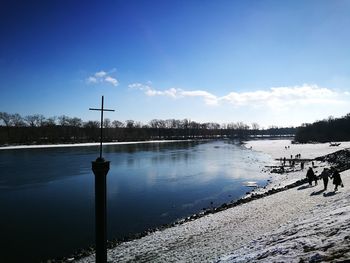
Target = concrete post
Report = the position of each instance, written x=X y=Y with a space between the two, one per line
x=100 y=167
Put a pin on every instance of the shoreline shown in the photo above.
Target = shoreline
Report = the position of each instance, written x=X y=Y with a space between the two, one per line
x=248 y=197
x=88 y=144
x=272 y=188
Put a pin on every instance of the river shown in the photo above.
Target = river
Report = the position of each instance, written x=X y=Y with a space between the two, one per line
x=47 y=194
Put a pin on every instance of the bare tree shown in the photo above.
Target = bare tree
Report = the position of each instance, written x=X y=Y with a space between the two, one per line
x=9 y=120
x=214 y=126
x=50 y=122
x=155 y=123
x=170 y=123
x=63 y=120
x=5 y=118
x=117 y=124
x=74 y=122
x=91 y=124
x=42 y=120
x=137 y=124
x=17 y=120
x=184 y=124
x=255 y=126
x=31 y=120
x=129 y=124
x=36 y=120
x=107 y=123
x=194 y=125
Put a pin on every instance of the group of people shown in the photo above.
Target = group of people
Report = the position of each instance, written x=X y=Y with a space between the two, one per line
x=297 y=156
x=327 y=173
x=292 y=161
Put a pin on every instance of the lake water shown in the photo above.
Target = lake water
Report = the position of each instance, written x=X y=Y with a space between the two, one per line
x=47 y=195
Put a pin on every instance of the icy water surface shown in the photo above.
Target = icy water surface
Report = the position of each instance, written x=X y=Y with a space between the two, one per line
x=47 y=195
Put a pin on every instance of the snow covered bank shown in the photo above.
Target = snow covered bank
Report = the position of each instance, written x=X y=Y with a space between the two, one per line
x=276 y=148
x=319 y=234
x=307 y=224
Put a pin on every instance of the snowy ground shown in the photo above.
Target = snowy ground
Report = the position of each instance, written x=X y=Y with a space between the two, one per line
x=300 y=223
x=276 y=148
x=321 y=232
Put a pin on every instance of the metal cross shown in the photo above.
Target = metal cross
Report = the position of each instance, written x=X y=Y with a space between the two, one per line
x=101 y=138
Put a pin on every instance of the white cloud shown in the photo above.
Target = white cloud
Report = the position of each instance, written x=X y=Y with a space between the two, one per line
x=276 y=97
x=100 y=74
x=209 y=98
x=138 y=86
x=102 y=77
x=284 y=97
x=91 y=79
x=111 y=80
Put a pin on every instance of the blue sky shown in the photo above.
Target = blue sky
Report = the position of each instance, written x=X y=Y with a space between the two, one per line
x=271 y=62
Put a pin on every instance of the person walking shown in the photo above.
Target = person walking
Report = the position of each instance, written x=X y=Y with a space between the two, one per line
x=310 y=175
x=337 y=180
x=315 y=179
x=325 y=175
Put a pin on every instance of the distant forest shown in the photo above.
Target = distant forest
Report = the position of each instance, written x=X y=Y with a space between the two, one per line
x=37 y=129
x=328 y=130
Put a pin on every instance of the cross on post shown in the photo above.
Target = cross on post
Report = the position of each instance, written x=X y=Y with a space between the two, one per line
x=100 y=167
x=101 y=110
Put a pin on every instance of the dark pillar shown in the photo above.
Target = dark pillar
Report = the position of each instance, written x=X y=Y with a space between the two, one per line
x=100 y=167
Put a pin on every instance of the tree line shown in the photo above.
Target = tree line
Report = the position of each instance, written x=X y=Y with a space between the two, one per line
x=327 y=130
x=37 y=129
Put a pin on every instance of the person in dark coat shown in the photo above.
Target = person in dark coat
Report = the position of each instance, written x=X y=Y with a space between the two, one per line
x=336 y=179
x=310 y=175
x=324 y=175
x=315 y=179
